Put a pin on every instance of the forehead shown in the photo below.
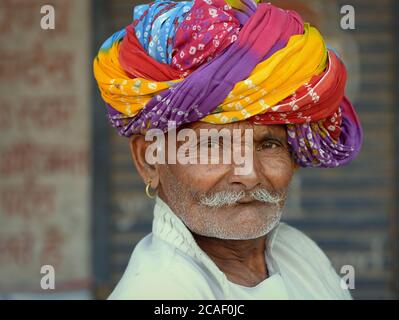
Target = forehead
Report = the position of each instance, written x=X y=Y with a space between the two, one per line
x=259 y=131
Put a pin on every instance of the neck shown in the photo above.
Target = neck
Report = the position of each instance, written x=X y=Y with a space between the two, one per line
x=242 y=261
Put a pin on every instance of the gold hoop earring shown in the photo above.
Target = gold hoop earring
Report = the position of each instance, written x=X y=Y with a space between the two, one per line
x=147 y=191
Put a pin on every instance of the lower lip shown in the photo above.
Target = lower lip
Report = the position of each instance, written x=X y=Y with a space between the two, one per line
x=248 y=202
x=254 y=203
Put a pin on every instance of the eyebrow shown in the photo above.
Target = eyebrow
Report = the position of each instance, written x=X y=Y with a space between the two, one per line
x=261 y=137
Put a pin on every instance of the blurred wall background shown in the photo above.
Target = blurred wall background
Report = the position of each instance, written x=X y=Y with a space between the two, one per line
x=45 y=104
x=70 y=196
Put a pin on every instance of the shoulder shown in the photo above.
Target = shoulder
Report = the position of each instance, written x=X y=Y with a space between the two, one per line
x=290 y=239
x=296 y=252
x=157 y=270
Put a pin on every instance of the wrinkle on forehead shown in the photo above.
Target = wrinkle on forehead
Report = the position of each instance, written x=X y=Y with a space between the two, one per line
x=259 y=130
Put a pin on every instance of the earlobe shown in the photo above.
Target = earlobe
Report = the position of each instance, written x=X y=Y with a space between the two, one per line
x=148 y=172
x=150 y=194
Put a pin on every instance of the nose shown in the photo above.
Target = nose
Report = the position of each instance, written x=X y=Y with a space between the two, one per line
x=247 y=179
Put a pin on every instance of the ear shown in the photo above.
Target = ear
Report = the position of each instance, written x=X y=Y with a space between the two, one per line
x=295 y=165
x=148 y=172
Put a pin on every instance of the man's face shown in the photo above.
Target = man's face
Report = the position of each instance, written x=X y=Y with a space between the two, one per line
x=214 y=201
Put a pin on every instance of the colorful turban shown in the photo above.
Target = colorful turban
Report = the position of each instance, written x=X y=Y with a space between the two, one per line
x=222 y=61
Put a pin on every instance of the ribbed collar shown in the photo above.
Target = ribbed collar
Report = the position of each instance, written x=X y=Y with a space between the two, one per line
x=171 y=229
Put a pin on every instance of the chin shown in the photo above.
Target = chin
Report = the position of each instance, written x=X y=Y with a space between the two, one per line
x=251 y=213
x=239 y=229
x=249 y=223
x=238 y=222
x=244 y=235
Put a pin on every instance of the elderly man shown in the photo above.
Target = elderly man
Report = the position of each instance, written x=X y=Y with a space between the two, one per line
x=237 y=67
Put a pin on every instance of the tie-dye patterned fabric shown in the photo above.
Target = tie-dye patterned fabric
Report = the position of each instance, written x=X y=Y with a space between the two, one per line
x=155 y=26
x=208 y=61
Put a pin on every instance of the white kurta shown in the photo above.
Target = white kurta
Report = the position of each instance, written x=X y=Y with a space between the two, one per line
x=168 y=264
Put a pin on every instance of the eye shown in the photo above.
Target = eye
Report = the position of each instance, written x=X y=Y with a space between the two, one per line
x=269 y=144
x=213 y=144
x=209 y=144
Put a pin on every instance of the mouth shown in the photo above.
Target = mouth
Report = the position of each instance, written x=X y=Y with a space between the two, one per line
x=246 y=200
x=250 y=201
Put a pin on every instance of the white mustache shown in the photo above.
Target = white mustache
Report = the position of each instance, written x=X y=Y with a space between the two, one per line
x=229 y=198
